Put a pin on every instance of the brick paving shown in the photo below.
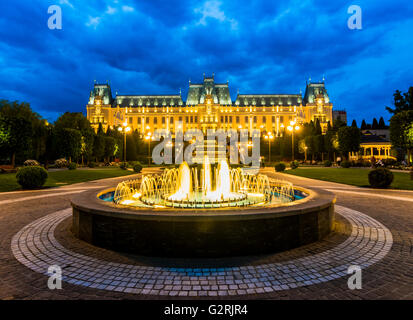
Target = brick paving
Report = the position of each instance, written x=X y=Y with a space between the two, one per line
x=385 y=275
x=36 y=247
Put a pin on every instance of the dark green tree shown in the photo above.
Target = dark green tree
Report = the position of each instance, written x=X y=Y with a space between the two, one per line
x=402 y=101
x=69 y=143
x=338 y=124
x=99 y=147
x=354 y=123
x=110 y=148
x=131 y=154
x=375 y=124
x=382 y=125
x=399 y=126
x=348 y=140
x=363 y=125
x=100 y=129
x=17 y=121
x=76 y=120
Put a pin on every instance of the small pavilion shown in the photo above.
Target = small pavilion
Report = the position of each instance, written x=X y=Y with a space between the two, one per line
x=373 y=146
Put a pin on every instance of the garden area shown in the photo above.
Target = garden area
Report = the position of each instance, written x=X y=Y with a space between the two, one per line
x=8 y=181
x=352 y=176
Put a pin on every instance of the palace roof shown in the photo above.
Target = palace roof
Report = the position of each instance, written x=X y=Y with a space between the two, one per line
x=313 y=90
x=198 y=92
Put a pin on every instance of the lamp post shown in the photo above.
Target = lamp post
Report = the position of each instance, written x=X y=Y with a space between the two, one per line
x=148 y=138
x=269 y=137
x=292 y=128
x=305 y=152
x=124 y=129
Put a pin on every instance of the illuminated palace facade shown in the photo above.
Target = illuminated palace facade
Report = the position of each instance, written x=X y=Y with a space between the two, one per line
x=209 y=106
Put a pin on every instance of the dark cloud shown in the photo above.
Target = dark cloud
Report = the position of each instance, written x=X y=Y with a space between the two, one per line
x=157 y=46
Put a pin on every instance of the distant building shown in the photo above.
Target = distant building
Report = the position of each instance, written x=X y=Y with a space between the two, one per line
x=340 y=115
x=209 y=106
x=382 y=133
x=372 y=145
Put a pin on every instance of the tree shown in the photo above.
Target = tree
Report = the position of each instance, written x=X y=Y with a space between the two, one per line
x=100 y=129
x=399 y=130
x=348 y=140
x=354 y=123
x=402 y=102
x=76 y=120
x=69 y=143
x=375 y=124
x=382 y=125
x=131 y=154
x=409 y=142
x=110 y=148
x=16 y=130
x=338 y=124
x=331 y=143
x=363 y=125
x=99 y=147
x=51 y=150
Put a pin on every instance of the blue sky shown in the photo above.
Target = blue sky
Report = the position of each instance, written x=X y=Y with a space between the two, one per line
x=156 y=46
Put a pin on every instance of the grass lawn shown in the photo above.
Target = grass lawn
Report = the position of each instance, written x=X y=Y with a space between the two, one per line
x=65 y=177
x=355 y=177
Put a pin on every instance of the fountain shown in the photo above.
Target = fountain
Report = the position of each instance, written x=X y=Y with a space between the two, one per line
x=201 y=188
x=203 y=211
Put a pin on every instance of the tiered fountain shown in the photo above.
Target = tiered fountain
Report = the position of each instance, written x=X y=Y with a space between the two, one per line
x=194 y=188
x=203 y=211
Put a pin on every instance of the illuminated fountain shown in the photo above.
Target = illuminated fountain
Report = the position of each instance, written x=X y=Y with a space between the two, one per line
x=203 y=211
x=186 y=187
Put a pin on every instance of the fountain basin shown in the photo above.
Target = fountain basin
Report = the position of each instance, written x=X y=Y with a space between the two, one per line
x=170 y=232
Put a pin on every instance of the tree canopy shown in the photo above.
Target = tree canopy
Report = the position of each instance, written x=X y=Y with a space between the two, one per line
x=348 y=140
x=402 y=101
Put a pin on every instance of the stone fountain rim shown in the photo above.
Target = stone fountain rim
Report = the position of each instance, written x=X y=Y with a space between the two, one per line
x=89 y=202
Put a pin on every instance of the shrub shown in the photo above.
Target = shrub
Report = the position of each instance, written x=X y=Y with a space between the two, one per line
x=345 y=164
x=280 y=166
x=380 y=178
x=137 y=168
x=61 y=163
x=31 y=177
x=389 y=162
x=29 y=163
x=123 y=165
x=294 y=164
x=72 y=166
x=327 y=163
x=91 y=164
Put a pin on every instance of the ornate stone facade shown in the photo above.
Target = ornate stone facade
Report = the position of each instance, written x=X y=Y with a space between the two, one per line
x=209 y=106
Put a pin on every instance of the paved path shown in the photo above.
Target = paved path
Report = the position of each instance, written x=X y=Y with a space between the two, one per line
x=389 y=277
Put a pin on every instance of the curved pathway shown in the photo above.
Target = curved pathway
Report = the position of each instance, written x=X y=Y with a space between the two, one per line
x=36 y=247
x=384 y=275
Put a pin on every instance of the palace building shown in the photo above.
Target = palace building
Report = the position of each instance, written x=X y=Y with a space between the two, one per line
x=209 y=106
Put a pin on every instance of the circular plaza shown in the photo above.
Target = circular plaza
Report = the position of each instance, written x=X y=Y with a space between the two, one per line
x=39 y=234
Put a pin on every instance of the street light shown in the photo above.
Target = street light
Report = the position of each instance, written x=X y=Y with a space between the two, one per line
x=269 y=137
x=148 y=138
x=125 y=130
x=292 y=128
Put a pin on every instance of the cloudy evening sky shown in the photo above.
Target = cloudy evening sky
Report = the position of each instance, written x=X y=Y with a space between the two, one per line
x=155 y=47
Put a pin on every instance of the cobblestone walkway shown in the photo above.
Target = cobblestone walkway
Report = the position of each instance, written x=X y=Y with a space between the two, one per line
x=36 y=247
